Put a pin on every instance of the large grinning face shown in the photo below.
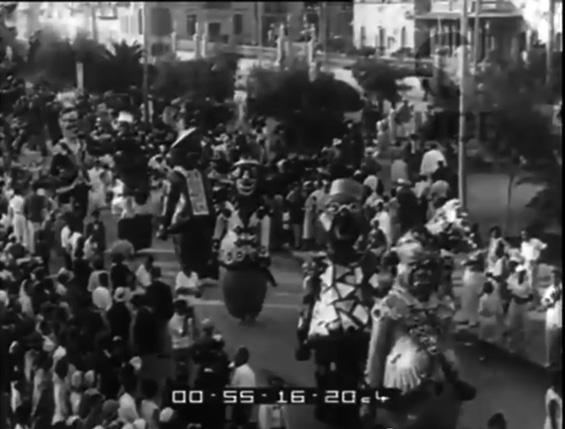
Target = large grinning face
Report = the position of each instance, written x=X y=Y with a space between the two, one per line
x=246 y=180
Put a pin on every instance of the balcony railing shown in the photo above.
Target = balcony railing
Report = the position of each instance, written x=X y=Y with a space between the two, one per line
x=268 y=53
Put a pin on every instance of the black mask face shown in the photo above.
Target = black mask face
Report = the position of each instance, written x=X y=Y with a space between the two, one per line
x=423 y=279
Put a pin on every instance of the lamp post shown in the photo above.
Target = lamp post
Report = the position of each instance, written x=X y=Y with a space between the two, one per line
x=146 y=41
x=461 y=155
x=476 y=55
x=549 y=45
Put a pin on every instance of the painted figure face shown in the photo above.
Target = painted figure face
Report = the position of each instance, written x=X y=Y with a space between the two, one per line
x=68 y=120
x=246 y=179
x=343 y=221
x=423 y=278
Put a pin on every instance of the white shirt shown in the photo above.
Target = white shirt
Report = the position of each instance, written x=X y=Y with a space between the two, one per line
x=430 y=161
x=181 y=330
x=398 y=170
x=554 y=312
x=243 y=377
x=128 y=409
x=531 y=249
x=66 y=238
x=17 y=205
x=142 y=276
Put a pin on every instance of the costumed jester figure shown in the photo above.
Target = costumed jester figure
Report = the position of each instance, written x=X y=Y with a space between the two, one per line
x=340 y=287
x=411 y=346
x=188 y=212
x=242 y=238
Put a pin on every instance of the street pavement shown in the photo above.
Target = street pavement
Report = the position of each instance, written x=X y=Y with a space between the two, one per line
x=504 y=384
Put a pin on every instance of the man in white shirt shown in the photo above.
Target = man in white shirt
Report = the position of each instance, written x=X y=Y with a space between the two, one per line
x=530 y=250
x=431 y=160
x=552 y=303
x=243 y=377
x=16 y=214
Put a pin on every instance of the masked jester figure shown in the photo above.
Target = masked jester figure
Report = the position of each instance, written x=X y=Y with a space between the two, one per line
x=242 y=236
x=339 y=290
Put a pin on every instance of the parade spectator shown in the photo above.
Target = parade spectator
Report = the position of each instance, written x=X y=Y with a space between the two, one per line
x=552 y=303
x=554 y=402
x=143 y=272
x=295 y=202
x=473 y=281
x=243 y=377
x=520 y=298
x=490 y=318
x=273 y=416
x=431 y=160
x=399 y=170
x=531 y=250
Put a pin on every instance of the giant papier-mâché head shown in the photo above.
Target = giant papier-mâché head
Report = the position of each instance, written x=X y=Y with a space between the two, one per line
x=246 y=175
x=343 y=219
x=186 y=151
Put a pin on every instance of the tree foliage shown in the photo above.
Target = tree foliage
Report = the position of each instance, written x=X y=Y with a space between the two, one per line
x=378 y=78
x=197 y=79
x=312 y=110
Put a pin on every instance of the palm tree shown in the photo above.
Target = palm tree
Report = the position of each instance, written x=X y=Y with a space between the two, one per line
x=123 y=62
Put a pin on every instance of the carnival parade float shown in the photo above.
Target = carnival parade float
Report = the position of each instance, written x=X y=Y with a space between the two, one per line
x=242 y=239
x=344 y=309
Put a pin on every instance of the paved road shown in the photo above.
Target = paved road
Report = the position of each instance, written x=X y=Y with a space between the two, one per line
x=513 y=387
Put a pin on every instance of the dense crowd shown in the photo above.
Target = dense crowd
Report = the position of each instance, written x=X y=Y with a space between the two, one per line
x=82 y=336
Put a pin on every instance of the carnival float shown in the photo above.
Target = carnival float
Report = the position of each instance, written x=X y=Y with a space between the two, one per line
x=398 y=339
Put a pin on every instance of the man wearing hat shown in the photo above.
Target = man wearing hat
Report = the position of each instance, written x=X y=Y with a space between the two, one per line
x=97 y=231
x=521 y=297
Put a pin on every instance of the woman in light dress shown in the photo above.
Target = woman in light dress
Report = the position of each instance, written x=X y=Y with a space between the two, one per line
x=495 y=241
x=491 y=318
x=473 y=282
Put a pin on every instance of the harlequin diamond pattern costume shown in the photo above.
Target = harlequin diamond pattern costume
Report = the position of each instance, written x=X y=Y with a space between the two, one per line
x=404 y=343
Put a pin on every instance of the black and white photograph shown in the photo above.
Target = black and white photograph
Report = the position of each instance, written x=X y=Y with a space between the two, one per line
x=281 y=215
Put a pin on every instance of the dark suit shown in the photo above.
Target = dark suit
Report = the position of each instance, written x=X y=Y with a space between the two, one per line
x=192 y=233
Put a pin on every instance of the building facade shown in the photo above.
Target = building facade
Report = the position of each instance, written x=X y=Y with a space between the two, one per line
x=387 y=26
x=421 y=27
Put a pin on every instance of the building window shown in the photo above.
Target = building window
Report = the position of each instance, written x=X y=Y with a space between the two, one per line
x=140 y=20
x=161 y=22
x=214 y=31
x=558 y=42
x=238 y=24
x=382 y=40
x=403 y=37
x=191 y=24
x=362 y=36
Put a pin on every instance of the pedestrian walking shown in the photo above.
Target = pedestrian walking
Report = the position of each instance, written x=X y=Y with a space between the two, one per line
x=531 y=249
x=243 y=378
x=472 y=285
x=520 y=298
x=554 y=402
x=491 y=319
x=552 y=303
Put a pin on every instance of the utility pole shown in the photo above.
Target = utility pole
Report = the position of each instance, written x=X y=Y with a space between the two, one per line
x=462 y=105
x=146 y=42
x=476 y=59
x=551 y=37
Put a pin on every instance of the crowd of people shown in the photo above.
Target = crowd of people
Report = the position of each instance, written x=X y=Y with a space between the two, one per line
x=82 y=335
